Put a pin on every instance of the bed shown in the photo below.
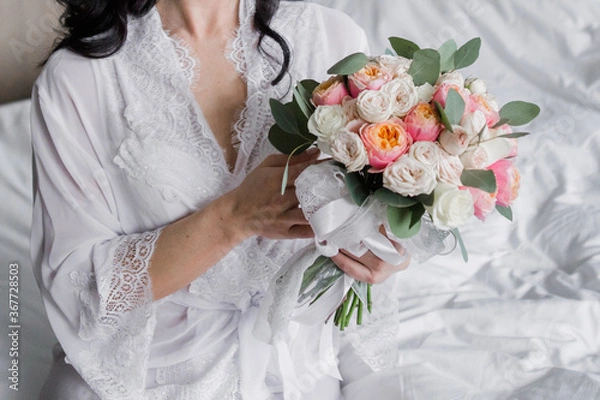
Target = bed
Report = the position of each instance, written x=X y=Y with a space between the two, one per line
x=521 y=319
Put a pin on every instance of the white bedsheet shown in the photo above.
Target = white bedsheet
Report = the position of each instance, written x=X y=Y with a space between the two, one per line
x=521 y=320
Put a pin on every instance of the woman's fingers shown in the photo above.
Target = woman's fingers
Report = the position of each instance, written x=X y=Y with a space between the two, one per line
x=368 y=268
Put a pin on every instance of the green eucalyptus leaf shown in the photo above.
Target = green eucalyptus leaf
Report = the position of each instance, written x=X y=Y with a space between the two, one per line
x=519 y=112
x=443 y=116
x=467 y=54
x=463 y=249
x=480 y=179
x=404 y=47
x=425 y=67
x=506 y=212
x=418 y=211
x=357 y=188
x=390 y=198
x=426 y=199
x=349 y=65
x=287 y=142
x=400 y=222
x=286 y=175
x=501 y=122
x=514 y=135
x=455 y=107
x=300 y=117
x=303 y=96
x=284 y=116
x=447 y=52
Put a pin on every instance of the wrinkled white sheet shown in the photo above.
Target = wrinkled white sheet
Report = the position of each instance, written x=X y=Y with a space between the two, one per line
x=521 y=320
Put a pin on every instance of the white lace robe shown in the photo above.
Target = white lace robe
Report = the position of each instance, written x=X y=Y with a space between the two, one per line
x=121 y=150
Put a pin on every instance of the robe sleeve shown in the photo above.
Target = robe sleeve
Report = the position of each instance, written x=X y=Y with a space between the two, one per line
x=93 y=277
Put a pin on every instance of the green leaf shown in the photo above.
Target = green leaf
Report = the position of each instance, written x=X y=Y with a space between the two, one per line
x=506 y=212
x=303 y=95
x=425 y=199
x=360 y=288
x=390 y=198
x=425 y=67
x=455 y=107
x=284 y=116
x=519 y=112
x=463 y=249
x=480 y=179
x=447 y=52
x=404 y=47
x=467 y=54
x=514 y=135
x=318 y=278
x=443 y=116
x=287 y=142
x=418 y=211
x=400 y=222
x=349 y=65
x=357 y=188
x=286 y=174
x=501 y=122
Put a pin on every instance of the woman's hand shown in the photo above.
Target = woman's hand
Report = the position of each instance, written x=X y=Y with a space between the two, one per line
x=369 y=268
x=259 y=208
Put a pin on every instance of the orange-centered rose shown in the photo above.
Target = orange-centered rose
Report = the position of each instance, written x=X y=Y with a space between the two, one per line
x=385 y=142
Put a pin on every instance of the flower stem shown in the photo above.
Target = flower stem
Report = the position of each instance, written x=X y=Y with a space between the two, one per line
x=369 y=299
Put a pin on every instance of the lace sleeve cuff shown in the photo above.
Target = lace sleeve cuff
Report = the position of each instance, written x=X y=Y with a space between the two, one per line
x=117 y=315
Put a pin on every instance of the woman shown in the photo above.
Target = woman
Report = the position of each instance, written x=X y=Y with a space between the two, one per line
x=158 y=223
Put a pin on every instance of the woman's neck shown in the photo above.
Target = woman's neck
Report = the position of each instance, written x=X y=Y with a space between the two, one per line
x=199 y=18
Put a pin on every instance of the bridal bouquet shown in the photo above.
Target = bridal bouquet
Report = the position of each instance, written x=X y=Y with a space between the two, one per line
x=415 y=145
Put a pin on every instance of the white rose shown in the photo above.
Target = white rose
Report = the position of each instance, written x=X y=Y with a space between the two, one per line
x=409 y=177
x=454 y=143
x=452 y=207
x=476 y=86
x=349 y=105
x=403 y=93
x=426 y=152
x=347 y=148
x=425 y=92
x=327 y=120
x=454 y=78
x=374 y=106
x=473 y=123
x=449 y=168
x=486 y=153
x=397 y=65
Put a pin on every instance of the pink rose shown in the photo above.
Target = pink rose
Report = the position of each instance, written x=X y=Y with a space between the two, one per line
x=508 y=181
x=441 y=93
x=372 y=77
x=331 y=92
x=385 y=142
x=454 y=143
x=483 y=201
x=486 y=104
x=422 y=123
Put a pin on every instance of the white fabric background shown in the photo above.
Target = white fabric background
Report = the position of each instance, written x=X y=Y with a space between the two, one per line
x=521 y=320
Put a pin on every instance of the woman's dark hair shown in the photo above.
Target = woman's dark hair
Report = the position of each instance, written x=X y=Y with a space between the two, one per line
x=98 y=29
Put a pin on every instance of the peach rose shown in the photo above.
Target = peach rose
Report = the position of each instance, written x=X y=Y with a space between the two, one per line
x=422 y=123
x=331 y=92
x=371 y=77
x=385 y=142
x=486 y=104
x=508 y=181
x=483 y=202
x=441 y=93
